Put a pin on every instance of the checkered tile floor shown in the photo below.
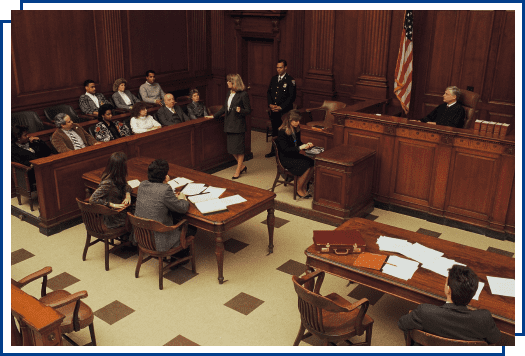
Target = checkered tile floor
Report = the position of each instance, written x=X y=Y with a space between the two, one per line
x=256 y=305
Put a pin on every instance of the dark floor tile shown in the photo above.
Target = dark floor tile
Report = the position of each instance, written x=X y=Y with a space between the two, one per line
x=292 y=267
x=180 y=341
x=428 y=232
x=313 y=340
x=61 y=281
x=19 y=256
x=234 y=246
x=278 y=222
x=361 y=292
x=244 y=303
x=126 y=252
x=501 y=252
x=180 y=275
x=113 y=312
x=371 y=217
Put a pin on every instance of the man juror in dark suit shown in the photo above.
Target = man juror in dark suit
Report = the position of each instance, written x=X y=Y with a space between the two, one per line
x=281 y=96
x=451 y=112
x=454 y=320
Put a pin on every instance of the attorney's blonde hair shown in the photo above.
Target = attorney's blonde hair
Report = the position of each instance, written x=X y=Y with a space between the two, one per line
x=236 y=80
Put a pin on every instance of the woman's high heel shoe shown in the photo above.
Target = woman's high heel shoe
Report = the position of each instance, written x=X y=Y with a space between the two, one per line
x=244 y=170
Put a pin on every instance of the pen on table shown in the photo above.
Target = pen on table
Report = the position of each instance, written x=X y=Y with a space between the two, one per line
x=386 y=263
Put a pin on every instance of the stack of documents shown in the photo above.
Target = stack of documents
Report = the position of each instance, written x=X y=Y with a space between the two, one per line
x=216 y=205
x=193 y=188
x=502 y=286
x=400 y=267
x=179 y=182
x=439 y=265
x=209 y=194
x=394 y=245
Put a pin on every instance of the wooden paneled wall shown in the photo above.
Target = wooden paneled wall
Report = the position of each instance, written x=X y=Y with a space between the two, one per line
x=335 y=55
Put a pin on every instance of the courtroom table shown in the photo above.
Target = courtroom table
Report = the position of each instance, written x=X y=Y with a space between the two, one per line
x=258 y=200
x=424 y=286
x=343 y=181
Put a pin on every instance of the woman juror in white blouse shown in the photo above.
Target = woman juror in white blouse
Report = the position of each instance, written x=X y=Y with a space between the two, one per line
x=141 y=121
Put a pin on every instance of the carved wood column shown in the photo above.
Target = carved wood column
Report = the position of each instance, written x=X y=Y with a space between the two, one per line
x=319 y=78
x=112 y=33
x=372 y=83
x=199 y=42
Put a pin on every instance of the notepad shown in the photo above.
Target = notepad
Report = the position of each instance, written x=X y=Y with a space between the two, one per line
x=193 y=188
x=211 y=206
x=370 y=260
x=400 y=267
x=200 y=198
x=234 y=199
x=134 y=183
x=179 y=182
x=502 y=286
x=214 y=191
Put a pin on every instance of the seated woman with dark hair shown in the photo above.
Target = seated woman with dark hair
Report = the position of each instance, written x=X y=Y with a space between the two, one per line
x=196 y=109
x=107 y=130
x=289 y=145
x=157 y=201
x=123 y=99
x=114 y=190
x=25 y=148
x=140 y=120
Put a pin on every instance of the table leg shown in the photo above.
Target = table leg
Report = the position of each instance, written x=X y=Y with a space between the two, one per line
x=219 y=253
x=270 y=221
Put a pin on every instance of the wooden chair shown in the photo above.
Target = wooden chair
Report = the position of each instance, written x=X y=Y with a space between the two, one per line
x=24 y=179
x=427 y=339
x=214 y=108
x=77 y=314
x=326 y=110
x=144 y=229
x=93 y=217
x=469 y=101
x=281 y=171
x=331 y=318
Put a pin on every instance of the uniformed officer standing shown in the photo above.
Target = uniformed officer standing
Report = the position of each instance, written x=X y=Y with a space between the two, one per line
x=281 y=95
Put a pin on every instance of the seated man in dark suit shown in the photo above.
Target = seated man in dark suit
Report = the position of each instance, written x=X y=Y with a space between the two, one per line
x=157 y=201
x=69 y=136
x=91 y=101
x=24 y=148
x=170 y=113
x=454 y=320
x=450 y=113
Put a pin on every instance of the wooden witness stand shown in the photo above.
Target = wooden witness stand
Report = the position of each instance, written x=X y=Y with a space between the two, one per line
x=39 y=324
x=198 y=144
x=257 y=201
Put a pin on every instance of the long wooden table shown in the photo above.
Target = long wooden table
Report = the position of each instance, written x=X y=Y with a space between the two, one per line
x=257 y=200
x=425 y=286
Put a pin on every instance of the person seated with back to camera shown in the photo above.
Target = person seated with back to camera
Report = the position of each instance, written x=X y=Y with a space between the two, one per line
x=25 y=148
x=141 y=121
x=454 y=320
x=170 y=113
x=114 y=190
x=196 y=109
x=123 y=98
x=290 y=145
x=157 y=201
x=69 y=136
x=107 y=130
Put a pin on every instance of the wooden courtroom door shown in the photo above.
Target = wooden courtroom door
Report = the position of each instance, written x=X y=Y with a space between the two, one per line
x=258 y=70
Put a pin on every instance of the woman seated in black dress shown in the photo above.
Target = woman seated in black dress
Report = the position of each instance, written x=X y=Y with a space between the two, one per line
x=289 y=145
x=107 y=130
x=196 y=109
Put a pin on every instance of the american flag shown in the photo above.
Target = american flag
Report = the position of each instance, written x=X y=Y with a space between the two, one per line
x=404 y=64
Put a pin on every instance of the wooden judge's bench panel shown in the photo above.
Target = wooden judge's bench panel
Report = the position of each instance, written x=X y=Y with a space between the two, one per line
x=446 y=172
x=199 y=144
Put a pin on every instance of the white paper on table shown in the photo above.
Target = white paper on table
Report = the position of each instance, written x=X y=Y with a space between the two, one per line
x=386 y=243
x=134 y=183
x=193 y=188
x=179 y=182
x=214 y=191
x=211 y=206
x=200 y=198
x=480 y=287
x=421 y=253
x=234 y=199
x=440 y=265
x=400 y=267
x=502 y=286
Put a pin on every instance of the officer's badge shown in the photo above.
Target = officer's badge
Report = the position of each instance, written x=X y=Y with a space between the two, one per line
x=293 y=82
x=285 y=85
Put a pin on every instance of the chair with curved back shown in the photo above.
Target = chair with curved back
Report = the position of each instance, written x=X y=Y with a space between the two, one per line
x=428 y=339
x=281 y=171
x=24 y=180
x=144 y=229
x=326 y=111
x=77 y=314
x=93 y=217
x=52 y=111
x=29 y=119
x=469 y=100
x=331 y=318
